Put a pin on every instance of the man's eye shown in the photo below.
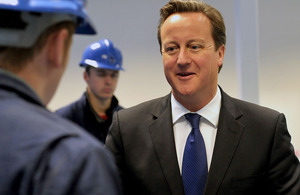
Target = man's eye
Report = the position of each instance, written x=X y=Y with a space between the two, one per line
x=101 y=74
x=171 y=50
x=115 y=75
x=195 y=47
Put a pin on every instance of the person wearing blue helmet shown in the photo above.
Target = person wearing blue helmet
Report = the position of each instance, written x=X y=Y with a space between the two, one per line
x=94 y=110
x=40 y=152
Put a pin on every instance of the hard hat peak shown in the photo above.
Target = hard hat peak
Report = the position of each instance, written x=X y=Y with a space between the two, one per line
x=55 y=11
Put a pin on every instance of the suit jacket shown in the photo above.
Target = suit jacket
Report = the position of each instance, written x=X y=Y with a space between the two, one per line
x=252 y=152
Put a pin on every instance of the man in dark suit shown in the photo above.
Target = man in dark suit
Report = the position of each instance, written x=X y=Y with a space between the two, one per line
x=247 y=147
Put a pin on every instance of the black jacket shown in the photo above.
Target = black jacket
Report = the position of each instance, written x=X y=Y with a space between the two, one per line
x=252 y=152
x=81 y=113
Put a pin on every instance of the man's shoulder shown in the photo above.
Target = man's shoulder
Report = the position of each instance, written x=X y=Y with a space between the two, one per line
x=74 y=107
x=35 y=121
x=44 y=144
x=63 y=127
x=235 y=105
x=34 y=129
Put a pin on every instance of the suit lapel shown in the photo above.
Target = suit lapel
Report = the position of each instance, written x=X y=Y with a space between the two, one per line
x=161 y=131
x=227 y=140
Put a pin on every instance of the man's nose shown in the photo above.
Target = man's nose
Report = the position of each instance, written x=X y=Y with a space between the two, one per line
x=183 y=57
x=108 y=78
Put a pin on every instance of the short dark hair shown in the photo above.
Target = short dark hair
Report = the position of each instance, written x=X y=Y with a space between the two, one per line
x=88 y=69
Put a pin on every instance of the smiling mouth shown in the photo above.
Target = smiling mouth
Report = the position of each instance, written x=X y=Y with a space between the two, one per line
x=184 y=74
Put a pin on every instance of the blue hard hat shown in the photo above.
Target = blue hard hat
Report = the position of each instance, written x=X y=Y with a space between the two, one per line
x=102 y=54
x=38 y=15
x=71 y=7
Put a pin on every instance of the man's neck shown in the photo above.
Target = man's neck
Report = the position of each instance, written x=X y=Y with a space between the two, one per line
x=99 y=105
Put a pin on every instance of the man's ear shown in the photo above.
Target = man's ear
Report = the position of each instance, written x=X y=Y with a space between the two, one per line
x=221 y=53
x=56 y=43
x=85 y=76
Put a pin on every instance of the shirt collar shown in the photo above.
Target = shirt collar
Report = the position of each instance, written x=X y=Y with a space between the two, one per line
x=210 y=112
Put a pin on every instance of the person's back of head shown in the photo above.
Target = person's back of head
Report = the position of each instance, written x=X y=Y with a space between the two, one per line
x=35 y=37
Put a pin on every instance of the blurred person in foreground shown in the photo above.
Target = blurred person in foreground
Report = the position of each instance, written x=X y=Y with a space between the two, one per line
x=198 y=139
x=40 y=152
x=94 y=110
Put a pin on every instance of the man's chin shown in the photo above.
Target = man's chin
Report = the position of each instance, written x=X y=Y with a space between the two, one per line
x=105 y=97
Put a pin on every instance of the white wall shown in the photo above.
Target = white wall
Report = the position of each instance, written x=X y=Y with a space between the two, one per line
x=132 y=24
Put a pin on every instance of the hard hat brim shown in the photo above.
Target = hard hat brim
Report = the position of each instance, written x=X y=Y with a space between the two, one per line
x=84 y=24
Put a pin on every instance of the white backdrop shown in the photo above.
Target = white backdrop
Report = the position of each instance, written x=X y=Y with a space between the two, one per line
x=132 y=24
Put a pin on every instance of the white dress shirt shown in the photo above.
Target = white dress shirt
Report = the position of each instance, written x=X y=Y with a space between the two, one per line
x=208 y=126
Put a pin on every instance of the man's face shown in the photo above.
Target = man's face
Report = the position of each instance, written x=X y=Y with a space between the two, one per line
x=190 y=59
x=102 y=82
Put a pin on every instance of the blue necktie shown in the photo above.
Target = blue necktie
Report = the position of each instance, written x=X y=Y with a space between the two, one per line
x=194 y=164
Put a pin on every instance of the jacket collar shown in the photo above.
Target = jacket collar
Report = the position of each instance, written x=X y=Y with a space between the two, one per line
x=14 y=84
